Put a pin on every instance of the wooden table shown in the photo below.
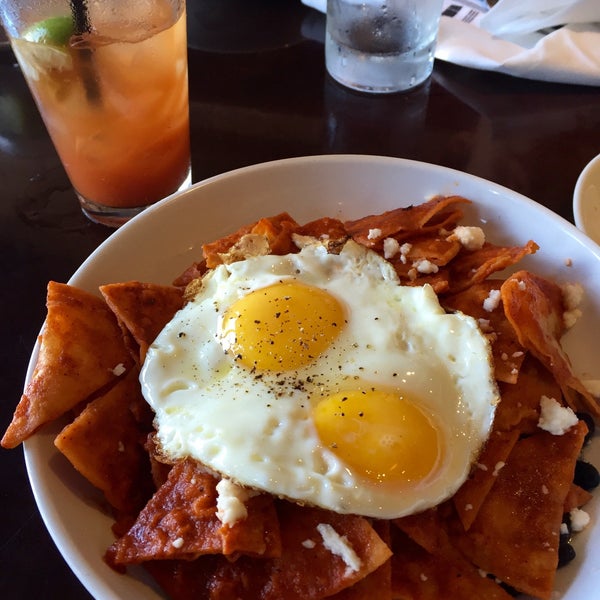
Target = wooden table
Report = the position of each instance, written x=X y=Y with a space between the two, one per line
x=258 y=92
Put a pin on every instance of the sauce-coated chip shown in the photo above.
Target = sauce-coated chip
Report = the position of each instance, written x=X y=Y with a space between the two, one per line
x=532 y=485
x=142 y=309
x=105 y=444
x=81 y=351
x=180 y=522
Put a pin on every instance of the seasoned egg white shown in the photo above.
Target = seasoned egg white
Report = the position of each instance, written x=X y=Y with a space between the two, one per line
x=376 y=403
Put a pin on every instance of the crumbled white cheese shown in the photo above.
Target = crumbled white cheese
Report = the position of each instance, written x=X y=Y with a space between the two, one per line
x=425 y=266
x=572 y=296
x=498 y=467
x=340 y=546
x=309 y=544
x=404 y=250
x=492 y=301
x=485 y=325
x=492 y=337
x=231 y=499
x=472 y=238
x=481 y=466
x=570 y=317
x=423 y=577
x=468 y=507
x=119 y=370
x=391 y=247
x=178 y=543
x=564 y=529
x=374 y=234
x=304 y=241
x=522 y=285
x=249 y=245
x=579 y=519
x=554 y=418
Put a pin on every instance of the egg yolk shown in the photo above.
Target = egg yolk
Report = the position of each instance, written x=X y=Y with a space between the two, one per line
x=281 y=327
x=379 y=434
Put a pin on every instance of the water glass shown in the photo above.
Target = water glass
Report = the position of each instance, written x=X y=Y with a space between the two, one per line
x=381 y=46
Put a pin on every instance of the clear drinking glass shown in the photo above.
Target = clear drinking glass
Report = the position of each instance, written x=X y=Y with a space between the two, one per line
x=110 y=80
x=381 y=46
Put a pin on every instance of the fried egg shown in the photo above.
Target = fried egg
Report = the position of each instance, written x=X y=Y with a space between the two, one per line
x=318 y=378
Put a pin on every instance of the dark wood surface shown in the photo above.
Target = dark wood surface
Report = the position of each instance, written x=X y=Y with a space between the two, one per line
x=258 y=92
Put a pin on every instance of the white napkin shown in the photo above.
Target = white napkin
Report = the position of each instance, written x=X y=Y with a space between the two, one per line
x=514 y=38
x=525 y=16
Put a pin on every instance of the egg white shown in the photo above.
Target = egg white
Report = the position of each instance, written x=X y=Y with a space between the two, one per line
x=257 y=428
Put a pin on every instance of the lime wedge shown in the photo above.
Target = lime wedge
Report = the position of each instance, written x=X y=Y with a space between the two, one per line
x=44 y=46
x=54 y=31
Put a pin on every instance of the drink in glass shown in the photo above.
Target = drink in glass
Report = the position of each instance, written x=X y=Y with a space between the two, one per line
x=381 y=46
x=111 y=85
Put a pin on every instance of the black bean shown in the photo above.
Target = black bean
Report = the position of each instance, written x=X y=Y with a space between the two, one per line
x=586 y=475
x=589 y=421
x=566 y=553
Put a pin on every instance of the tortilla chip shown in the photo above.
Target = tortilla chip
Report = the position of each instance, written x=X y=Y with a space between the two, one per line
x=105 y=444
x=377 y=584
x=276 y=230
x=143 y=309
x=473 y=266
x=209 y=576
x=329 y=573
x=180 y=522
x=325 y=228
x=432 y=216
x=507 y=352
x=420 y=575
x=519 y=406
x=433 y=251
x=429 y=530
x=213 y=250
x=256 y=535
x=81 y=348
x=535 y=307
x=531 y=488
x=471 y=495
x=305 y=569
x=195 y=271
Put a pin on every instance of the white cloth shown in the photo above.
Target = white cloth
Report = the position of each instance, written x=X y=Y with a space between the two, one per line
x=547 y=40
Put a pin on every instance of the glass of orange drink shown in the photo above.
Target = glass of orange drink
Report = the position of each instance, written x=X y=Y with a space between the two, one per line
x=110 y=80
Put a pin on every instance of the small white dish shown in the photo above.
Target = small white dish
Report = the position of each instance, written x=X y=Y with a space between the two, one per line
x=586 y=200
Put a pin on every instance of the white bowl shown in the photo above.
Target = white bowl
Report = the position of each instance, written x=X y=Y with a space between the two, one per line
x=158 y=245
x=586 y=200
